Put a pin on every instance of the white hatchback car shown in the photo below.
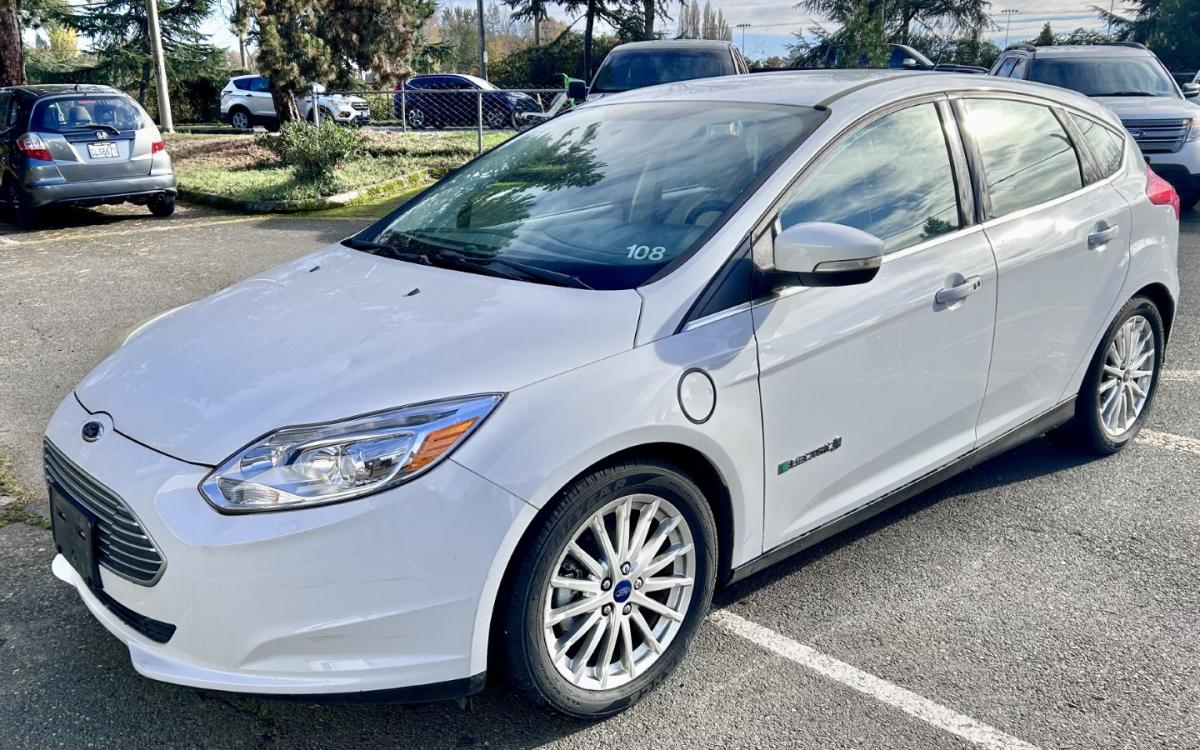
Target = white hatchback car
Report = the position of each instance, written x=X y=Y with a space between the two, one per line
x=530 y=420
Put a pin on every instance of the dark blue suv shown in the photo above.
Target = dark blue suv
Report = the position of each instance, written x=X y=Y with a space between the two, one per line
x=452 y=99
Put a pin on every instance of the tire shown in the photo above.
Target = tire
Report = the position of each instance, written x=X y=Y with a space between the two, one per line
x=24 y=215
x=240 y=119
x=1089 y=430
x=162 y=206
x=1188 y=196
x=581 y=689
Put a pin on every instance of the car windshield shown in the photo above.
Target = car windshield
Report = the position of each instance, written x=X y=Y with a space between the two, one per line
x=1105 y=76
x=85 y=113
x=634 y=70
x=603 y=197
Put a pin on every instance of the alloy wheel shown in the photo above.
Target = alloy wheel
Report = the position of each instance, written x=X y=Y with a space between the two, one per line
x=1127 y=376
x=240 y=121
x=619 y=592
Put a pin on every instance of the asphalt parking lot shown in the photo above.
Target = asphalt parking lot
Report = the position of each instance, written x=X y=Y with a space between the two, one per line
x=1041 y=600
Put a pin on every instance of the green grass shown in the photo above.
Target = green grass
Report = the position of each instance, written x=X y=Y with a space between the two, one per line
x=393 y=164
x=17 y=510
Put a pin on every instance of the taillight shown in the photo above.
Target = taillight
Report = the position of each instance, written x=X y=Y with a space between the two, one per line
x=157 y=146
x=1160 y=192
x=32 y=145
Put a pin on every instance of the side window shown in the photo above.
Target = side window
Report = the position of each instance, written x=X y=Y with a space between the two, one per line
x=1018 y=70
x=1027 y=156
x=1006 y=66
x=260 y=84
x=1106 y=146
x=892 y=178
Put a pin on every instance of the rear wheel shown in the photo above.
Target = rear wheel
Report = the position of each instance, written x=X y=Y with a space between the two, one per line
x=497 y=119
x=1120 y=384
x=611 y=588
x=240 y=119
x=24 y=214
x=162 y=205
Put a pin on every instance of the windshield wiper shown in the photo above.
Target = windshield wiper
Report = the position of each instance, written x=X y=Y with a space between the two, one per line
x=1128 y=93
x=431 y=255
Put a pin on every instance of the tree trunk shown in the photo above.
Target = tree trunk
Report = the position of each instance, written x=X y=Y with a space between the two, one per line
x=537 y=32
x=242 y=50
x=144 y=84
x=587 y=40
x=12 y=58
x=285 y=106
x=650 y=8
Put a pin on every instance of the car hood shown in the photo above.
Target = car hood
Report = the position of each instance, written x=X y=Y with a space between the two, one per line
x=342 y=98
x=341 y=333
x=1149 y=107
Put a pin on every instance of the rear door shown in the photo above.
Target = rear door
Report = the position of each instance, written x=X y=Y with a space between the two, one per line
x=93 y=136
x=1062 y=249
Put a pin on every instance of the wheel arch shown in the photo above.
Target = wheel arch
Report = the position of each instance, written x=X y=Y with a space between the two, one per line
x=698 y=467
x=1162 y=299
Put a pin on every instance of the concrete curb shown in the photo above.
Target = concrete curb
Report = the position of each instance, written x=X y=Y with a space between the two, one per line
x=380 y=189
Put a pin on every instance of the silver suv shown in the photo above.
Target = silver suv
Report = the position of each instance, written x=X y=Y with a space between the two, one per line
x=1131 y=81
x=79 y=145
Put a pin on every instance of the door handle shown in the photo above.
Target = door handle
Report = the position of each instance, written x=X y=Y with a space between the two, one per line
x=952 y=294
x=1104 y=234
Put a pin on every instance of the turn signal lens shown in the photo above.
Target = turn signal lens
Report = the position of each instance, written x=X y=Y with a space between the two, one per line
x=1160 y=192
x=157 y=146
x=438 y=442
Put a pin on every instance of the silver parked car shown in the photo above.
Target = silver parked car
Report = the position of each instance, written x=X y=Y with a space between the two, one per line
x=80 y=145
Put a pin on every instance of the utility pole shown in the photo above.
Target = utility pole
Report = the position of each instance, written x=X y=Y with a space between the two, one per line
x=160 y=68
x=482 y=41
x=1112 y=6
x=1010 y=12
x=743 y=27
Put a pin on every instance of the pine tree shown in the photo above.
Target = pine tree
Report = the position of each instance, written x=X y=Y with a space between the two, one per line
x=1045 y=38
x=1170 y=27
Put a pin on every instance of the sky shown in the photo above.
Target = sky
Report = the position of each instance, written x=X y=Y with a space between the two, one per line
x=773 y=24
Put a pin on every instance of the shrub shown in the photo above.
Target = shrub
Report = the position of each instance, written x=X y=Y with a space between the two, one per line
x=314 y=152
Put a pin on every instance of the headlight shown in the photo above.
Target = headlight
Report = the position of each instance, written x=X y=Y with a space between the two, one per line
x=299 y=467
x=1194 y=133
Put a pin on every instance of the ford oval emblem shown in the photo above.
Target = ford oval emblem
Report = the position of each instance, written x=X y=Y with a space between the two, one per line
x=92 y=431
x=622 y=591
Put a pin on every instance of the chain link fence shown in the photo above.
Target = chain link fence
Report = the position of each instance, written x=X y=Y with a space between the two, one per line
x=458 y=109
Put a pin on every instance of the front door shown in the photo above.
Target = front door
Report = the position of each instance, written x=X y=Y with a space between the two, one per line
x=1062 y=250
x=866 y=388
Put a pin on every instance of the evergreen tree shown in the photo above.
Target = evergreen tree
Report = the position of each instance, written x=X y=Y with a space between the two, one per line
x=121 y=44
x=1169 y=27
x=1045 y=38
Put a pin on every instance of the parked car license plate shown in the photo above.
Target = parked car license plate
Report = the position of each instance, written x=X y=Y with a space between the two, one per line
x=103 y=150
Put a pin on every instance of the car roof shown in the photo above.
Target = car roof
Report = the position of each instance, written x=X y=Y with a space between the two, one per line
x=54 y=89
x=1086 y=50
x=674 y=44
x=837 y=89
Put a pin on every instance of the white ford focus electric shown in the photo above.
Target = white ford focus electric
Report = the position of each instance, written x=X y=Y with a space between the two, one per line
x=530 y=420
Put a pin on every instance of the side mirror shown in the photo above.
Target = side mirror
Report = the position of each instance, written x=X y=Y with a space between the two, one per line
x=821 y=254
x=1191 y=90
x=577 y=91
x=908 y=63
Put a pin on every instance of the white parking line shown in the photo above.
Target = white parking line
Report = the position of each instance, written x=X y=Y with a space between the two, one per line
x=917 y=706
x=1182 y=376
x=1172 y=442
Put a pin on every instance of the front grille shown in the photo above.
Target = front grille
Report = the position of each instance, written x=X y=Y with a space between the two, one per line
x=122 y=544
x=1158 y=136
x=361 y=106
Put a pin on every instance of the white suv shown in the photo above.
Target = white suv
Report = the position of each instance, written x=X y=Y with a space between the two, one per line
x=526 y=423
x=246 y=101
x=1131 y=81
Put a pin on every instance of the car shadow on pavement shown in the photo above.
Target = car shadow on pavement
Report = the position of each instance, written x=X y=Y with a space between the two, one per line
x=1029 y=461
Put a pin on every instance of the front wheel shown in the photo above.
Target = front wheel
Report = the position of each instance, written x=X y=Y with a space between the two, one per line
x=1120 y=384
x=611 y=589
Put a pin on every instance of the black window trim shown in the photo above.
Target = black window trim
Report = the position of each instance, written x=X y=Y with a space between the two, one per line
x=1087 y=147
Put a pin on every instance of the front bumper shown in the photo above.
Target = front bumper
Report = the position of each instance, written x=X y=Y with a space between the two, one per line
x=389 y=592
x=96 y=192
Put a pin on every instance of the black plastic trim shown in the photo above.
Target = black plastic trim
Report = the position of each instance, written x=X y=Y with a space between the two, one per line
x=1055 y=417
x=429 y=693
x=156 y=630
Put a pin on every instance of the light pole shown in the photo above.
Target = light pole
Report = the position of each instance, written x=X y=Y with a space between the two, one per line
x=1010 y=12
x=160 y=69
x=743 y=27
x=482 y=41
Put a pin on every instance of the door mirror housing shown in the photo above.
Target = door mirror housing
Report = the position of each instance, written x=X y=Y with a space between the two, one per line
x=1191 y=90
x=909 y=64
x=577 y=91
x=822 y=254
